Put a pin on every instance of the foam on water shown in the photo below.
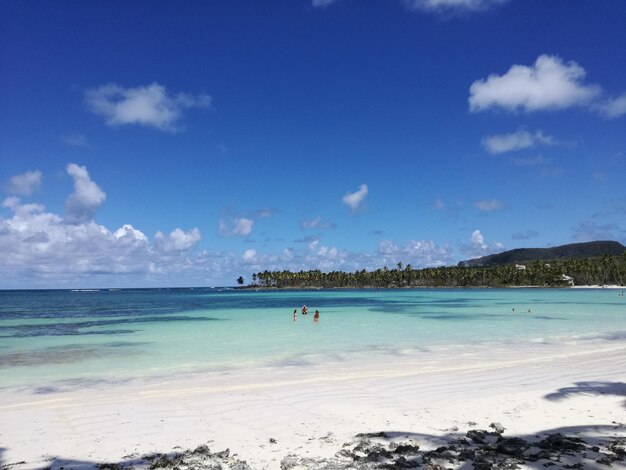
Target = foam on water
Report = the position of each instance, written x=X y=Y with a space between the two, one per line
x=74 y=338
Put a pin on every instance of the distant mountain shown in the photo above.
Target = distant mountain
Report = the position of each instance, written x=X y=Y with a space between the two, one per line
x=572 y=250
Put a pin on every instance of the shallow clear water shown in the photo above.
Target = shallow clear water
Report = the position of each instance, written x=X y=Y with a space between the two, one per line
x=49 y=338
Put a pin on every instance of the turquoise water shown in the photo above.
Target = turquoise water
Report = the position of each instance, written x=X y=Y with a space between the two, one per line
x=51 y=339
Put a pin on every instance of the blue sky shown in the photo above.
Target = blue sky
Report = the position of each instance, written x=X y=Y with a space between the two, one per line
x=163 y=143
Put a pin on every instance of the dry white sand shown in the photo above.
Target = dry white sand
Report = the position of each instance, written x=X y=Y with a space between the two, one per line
x=312 y=410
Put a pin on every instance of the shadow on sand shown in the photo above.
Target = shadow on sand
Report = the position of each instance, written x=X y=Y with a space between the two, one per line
x=596 y=446
x=590 y=388
x=571 y=447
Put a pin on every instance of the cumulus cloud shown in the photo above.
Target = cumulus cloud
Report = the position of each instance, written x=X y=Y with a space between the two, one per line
x=41 y=250
x=235 y=227
x=177 y=240
x=24 y=184
x=355 y=200
x=250 y=257
x=150 y=105
x=86 y=198
x=478 y=247
x=418 y=253
x=452 y=6
x=548 y=84
x=317 y=223
x=612 y=108
x=502 y=143
x=478 y=240
x=489 y=206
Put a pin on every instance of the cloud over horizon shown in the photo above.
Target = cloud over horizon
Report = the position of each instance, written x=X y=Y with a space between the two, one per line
x=150 y=106
x=81 y=205
x=478 y=247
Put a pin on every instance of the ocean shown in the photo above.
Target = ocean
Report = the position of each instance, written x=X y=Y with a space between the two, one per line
x=53 y=340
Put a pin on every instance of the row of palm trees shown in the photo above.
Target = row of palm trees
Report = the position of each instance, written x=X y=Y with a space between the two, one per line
x=607 y=269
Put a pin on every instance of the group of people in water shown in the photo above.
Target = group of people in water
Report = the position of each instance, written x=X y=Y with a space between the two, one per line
x=305 y=311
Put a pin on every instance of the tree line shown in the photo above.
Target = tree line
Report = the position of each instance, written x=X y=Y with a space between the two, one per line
x=604 y=270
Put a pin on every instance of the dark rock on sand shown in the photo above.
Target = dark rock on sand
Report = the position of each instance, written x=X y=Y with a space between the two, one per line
x=558 y=442
x=513 y=446
x=406 y=449
x=373 y=434
x=497 y=427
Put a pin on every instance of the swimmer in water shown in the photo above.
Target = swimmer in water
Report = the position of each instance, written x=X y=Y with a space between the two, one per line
x=316 y=317
x=304 y=310
x=295 y=314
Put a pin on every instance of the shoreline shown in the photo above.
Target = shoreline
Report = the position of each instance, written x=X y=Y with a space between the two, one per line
x=311 y=288
x=309 y=412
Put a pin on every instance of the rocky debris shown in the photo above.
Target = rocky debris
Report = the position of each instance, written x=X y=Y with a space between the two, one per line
x=497 y=427
x=200 y=458
x=372 y=434
x=479 y=449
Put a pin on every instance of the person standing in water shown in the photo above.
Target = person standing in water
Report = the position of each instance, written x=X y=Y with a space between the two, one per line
x=316 y=317
x=304 y=310
x=295 y=314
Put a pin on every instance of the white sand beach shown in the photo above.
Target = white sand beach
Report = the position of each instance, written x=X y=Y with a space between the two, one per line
x=310 y=411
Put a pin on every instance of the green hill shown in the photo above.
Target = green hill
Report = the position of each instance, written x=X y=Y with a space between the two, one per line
x=563 y=252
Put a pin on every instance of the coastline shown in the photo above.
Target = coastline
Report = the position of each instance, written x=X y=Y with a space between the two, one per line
x=288 y=288
x=266 y=415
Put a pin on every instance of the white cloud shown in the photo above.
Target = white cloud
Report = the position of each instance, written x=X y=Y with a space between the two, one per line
x=489 y=206
x=41 y=250
x=24 y=184
x=548 y=84
x=177 y=240
x=451 y=6
x=236 y=227
x=128 y=233
x=316 y=223
x=86 y=198
x=478 y=247
x=478 y=240
x=355 y=200
x=612 y=108
x=502 y=143
x=250 y=257
x=418 y=253
x=149 y=105
x=322 y=3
